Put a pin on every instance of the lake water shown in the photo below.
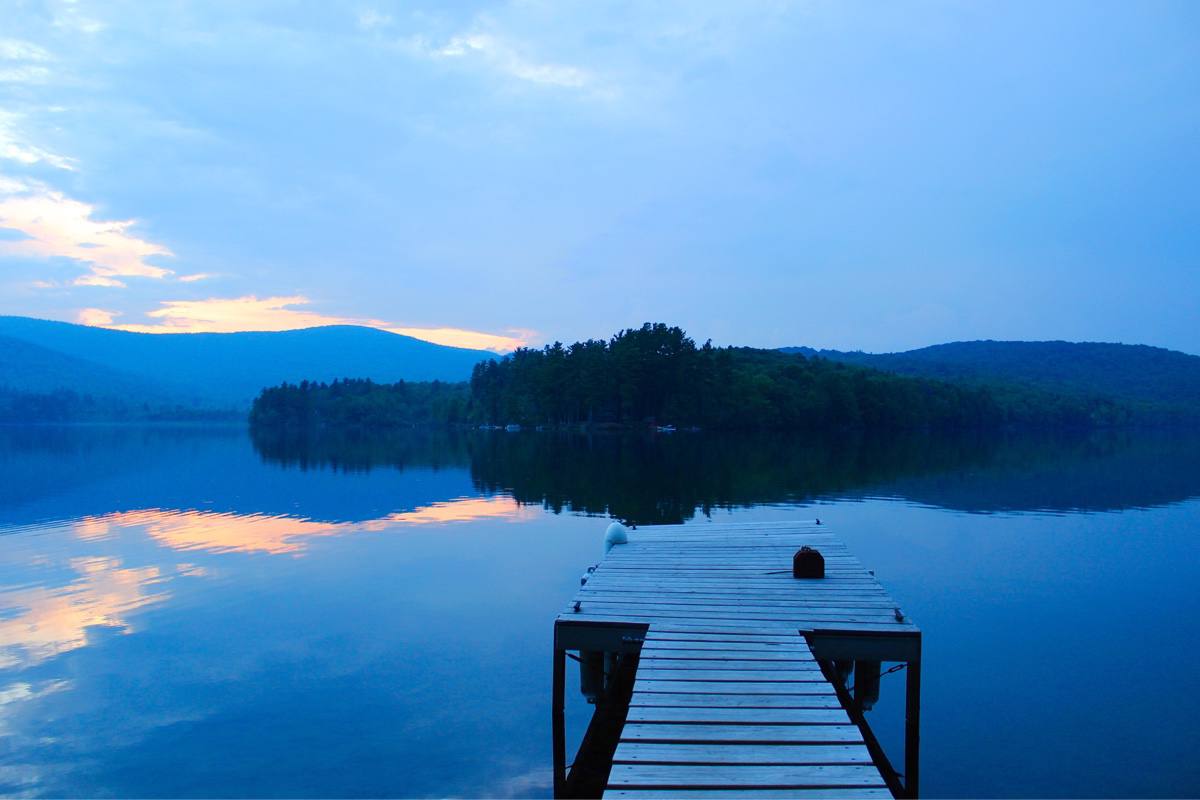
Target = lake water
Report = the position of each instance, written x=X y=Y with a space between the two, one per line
x=191 y=612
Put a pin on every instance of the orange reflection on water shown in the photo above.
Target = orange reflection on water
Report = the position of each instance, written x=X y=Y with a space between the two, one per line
x=259 y=533
x=40 y=622
x=464 y=509
x=212 y=531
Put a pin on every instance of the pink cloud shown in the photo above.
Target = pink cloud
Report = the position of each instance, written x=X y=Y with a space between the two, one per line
x=251 y=313
x=57 y=226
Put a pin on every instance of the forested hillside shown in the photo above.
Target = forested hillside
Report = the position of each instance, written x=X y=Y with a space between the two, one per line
x=360 y=403
x=1152 y=381
x=658 y=375
x=208 y=371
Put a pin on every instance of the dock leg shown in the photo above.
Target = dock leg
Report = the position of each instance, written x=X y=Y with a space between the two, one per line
x=912 y=729
x=559 y=724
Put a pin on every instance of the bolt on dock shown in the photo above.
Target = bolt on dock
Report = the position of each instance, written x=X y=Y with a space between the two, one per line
x=719 y=674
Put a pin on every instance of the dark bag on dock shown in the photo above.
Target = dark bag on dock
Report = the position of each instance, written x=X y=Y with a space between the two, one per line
x=808 y=563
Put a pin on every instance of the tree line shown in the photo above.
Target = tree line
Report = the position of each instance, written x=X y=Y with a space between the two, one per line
x=360 y=403
x=69 y=406
x=657 y=374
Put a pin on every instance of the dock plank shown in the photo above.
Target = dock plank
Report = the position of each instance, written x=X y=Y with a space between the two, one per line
x=733 y=700
x=749 y=794
x=641 y=752
x=739 y=776
x=746 y=734
x=741 y=715
x=725 y=687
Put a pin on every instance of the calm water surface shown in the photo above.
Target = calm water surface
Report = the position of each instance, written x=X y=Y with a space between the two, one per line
x=191 y=612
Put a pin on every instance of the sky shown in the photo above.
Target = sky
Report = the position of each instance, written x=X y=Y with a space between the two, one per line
x=853 y=175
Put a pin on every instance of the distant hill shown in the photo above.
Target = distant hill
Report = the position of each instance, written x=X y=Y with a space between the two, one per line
x=1142 y=376
x=27 y=367
x=211 y=370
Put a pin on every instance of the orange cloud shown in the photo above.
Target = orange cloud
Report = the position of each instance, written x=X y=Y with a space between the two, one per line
x=473 y=340
x=56 y=226
x=227 y=315
x=251 y=313
x=95 y=316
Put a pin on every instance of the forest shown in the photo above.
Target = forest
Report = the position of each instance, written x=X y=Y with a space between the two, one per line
x=360 y=403
x=658 y=375
x=69 y=406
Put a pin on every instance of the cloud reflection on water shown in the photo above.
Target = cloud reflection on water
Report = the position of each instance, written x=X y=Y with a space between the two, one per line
x=220 y=532
x=39 y=622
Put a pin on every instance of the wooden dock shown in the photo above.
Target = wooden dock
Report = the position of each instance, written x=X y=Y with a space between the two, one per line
x=733 y=694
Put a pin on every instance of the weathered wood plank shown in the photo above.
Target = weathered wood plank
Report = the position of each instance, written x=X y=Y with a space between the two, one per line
x=641 y=752
x=644 y=684
x=730 y=665
x=741 y=653
x=747 y=734
x=741 y=715
x=782 y=625
x=807 y=610
x=734 y=590
x=663 y=636
x=764 y=581
x=768 y=582
x=768 y=649
x=684 y=700
x=651 y=672
x=734 y=593
x=671 y=648
x=858 y=793
x=730 y=614
x=736 y=776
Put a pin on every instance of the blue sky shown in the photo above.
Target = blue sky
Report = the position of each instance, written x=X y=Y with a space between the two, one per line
x=853 y=175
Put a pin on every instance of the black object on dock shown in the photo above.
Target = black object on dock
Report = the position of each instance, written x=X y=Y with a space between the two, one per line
x=808 y=563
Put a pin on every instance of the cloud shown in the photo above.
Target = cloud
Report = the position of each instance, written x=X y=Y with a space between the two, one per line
x=20 y=50
x=251 y=313
x=505 y=57
x=96 y=316
x=229 y=314
x=473 y=340
x=369 y=19
x=98 y=280
x=14 y=147
x=24 y=73
x=26 y=61
x=56 y=226
x=68 y=17
x=195 y=276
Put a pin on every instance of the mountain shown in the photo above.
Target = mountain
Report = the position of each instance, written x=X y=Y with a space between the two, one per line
x=31 y=368
x=212 y=370
x=1141 y=376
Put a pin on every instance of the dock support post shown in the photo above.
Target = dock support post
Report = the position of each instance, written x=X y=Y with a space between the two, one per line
x=912 y=727
x=559 y=724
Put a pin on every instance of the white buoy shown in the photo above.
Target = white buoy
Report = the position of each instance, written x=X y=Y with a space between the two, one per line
x=616 y=534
